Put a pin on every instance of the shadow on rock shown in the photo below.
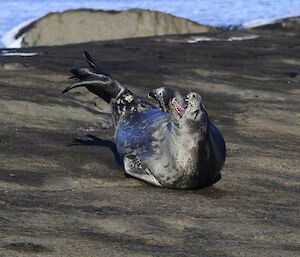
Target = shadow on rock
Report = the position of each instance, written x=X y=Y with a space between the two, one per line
x=214 y=192
x=93 y=140
x=27 y=247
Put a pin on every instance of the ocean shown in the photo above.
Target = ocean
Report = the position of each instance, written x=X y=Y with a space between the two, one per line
x=220 y=13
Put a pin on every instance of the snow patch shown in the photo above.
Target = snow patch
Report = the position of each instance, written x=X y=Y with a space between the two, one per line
x=197 y=39
x=13 y=53
x=201 y=39
x=242 y=38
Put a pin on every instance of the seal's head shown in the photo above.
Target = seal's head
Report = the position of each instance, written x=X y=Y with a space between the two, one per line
x=191 y=116
x=163 y=95
x=192 y=148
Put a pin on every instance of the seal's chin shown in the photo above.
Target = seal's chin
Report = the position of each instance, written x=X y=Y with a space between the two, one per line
x=178 y=108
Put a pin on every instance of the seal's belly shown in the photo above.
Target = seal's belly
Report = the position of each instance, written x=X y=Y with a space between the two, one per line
x=135 y=132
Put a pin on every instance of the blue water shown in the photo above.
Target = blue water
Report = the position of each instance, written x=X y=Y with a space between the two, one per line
x=222 y=13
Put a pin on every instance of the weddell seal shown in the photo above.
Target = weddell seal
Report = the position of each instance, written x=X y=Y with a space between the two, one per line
x=171 y=143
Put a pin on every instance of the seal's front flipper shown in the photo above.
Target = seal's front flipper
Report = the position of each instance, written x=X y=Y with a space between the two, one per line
x=134 y=167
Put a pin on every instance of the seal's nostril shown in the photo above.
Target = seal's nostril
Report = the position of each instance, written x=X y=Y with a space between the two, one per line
x=152 y=94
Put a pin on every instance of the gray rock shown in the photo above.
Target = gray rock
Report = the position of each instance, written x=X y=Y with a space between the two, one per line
x=76 y=26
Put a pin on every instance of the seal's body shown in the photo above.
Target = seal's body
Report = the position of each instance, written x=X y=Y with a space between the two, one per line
x=171 y=145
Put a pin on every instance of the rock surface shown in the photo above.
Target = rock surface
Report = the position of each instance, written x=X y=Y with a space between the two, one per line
x=77 y=26
x=62 y=192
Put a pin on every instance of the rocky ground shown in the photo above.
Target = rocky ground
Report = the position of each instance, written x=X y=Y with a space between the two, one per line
x=63 y=193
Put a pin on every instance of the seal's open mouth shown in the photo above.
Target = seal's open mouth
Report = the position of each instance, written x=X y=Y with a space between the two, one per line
x=179 y=108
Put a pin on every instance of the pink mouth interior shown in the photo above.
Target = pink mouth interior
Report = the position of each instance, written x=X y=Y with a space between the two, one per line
x=181 y=110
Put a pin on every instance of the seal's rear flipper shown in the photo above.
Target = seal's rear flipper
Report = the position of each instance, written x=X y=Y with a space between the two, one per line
x=91 y=62
x=95 y=68
x=122 y=100
x=134 y=167
x=97 y=82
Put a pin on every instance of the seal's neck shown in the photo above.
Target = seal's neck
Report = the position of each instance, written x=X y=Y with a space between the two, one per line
x=187 y=147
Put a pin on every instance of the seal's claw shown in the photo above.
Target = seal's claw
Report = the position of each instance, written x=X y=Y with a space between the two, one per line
x=134 y=161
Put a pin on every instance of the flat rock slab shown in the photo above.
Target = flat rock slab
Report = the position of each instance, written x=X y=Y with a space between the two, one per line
x=63 y=192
